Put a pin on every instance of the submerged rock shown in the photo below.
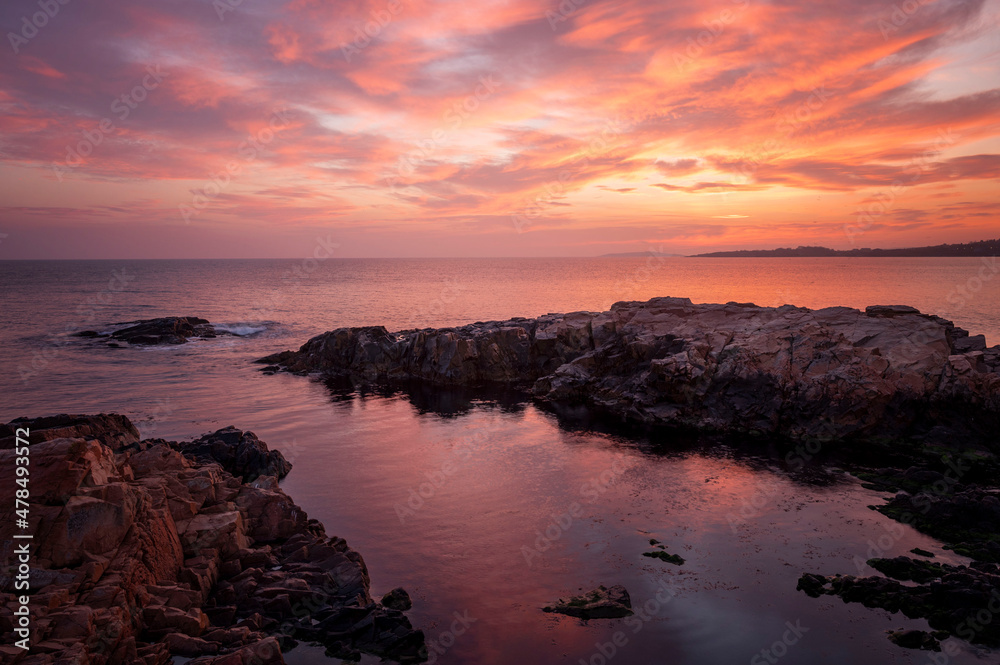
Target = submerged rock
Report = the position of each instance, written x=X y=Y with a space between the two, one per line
x=601 y=603
x=141 y=553
x=834 y=373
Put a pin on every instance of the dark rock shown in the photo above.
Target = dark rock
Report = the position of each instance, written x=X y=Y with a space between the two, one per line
x=906 y=569
x=397 y=599
x=890 y=310
x=956 y=599
x=166 y=330
x=601 y=603
x=968 y=519
x=240 y=453
x=915 y=639
x=815 y=375
x=276 y=358
x=675 y=559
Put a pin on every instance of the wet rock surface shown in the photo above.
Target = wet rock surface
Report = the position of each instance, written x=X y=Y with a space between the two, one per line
x=828 y=374
x=161 y=331
x=144 y=552
x=962 y=600
x=947 y=491
x=601 y=603
x=166 y=330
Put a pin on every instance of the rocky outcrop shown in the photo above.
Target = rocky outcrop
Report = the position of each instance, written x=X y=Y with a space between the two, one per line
x=832 y=373
x=962 y=600
x=601 y=603
x=114 y=431
x=165 y=330
x=142 y=552
x=968 y=519
x=240 y=453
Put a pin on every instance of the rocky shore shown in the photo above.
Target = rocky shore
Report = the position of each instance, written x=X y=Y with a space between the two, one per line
x=880 y=375
x=148 y=549
x=911 y=393
x=963 y=601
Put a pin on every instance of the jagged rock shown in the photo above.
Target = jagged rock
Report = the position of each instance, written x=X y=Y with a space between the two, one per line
x=143 y=553
x=601 y=603
x=833 y=373
x=114 y=431
x=240 y=453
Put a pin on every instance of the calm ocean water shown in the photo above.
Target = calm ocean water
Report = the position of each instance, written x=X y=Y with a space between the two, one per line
x=371 y=466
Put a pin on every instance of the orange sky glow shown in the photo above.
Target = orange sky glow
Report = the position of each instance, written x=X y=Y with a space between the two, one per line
x=244 y=128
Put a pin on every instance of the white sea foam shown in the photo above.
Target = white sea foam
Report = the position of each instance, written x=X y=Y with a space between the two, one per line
x=240 y=329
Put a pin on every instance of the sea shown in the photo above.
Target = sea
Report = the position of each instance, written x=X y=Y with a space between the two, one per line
x=485 y=506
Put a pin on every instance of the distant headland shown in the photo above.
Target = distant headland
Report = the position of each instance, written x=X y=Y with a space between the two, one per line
x=980 y=248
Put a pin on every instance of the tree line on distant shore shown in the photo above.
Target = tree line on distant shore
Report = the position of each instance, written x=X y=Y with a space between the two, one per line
x=980 y=248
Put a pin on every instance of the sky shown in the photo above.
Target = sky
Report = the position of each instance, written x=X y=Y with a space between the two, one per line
x=385 y=128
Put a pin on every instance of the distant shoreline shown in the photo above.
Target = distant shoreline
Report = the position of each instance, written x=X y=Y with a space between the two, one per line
x=983 y=248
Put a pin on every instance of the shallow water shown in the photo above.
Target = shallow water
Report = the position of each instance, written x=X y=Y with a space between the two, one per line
x=497 y=473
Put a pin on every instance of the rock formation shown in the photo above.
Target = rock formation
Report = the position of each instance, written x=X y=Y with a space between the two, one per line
x=957 y=600
x=165 y=330
x=144 y=550
x=834 y=373
x=601 y=603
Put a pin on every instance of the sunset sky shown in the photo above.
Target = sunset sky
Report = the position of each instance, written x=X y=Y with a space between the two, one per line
x=248 y=128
